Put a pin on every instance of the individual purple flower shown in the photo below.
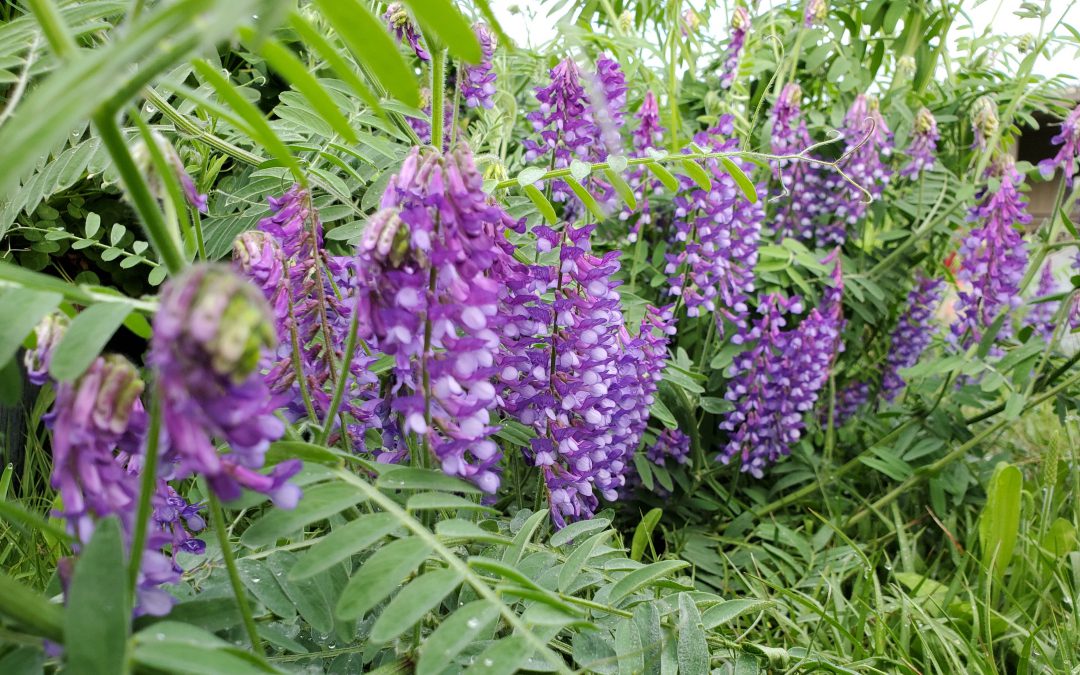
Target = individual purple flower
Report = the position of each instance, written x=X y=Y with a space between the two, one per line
x=740 y=26
x=816 y=13
x=210 y=335
x=711 y=263
x=47 y=332
x=1069 y=140
x=993 y=257
x=923 y=148
x=429 y=299
x=1041 y=314
x=564 y=122
x=648 y=134
x=912 y=334
x=778 y=379
x=397 y=18
x=670 y=444
x=868 y=142
x=802 y=180
x=984 y=121
x=478 y=81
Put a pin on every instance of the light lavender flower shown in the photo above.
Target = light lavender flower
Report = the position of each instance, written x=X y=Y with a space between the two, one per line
x=478 y=80
x=923 y=148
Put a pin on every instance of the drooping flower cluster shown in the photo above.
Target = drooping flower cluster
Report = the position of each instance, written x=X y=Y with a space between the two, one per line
x=1041 y=315
x=778 y=379
x=648 y=134
x=849 y=399
x=478 y=81
x=587 y=391
x=912 y=334
x=210 y=335
x=397 y=18
x=993 y=257
x=670 y=444
x=564 y=122
x=816 y=13
x=1069 y=140
x=740 y=26
x=609 y=106
x=801 y=180
x=428 y=298
x=923 y=147
x=711 y=265
x=868 y=142
x=984 y=121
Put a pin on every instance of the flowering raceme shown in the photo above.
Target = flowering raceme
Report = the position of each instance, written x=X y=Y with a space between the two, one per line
x=670 y=444
x=648 y=134
x=923 y=148
x=993 y=257
x=1041 y=315
x=740 y=26
x=609 y=106
x=912 y=334
x=478 y=81
x=778 y=379
x=816 y=13
x=801 y=180
x=1069 y=140
x=403 y=27
x=718 y=231
x=867 y=141
x=209 y=337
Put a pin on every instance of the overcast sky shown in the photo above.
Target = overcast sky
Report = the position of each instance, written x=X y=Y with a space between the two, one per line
x=996 y=14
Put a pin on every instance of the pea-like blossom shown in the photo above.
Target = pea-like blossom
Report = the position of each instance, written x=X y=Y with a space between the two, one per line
x=851 y=397
x=780 y=376
x=399 y=21
x=211 y=332
x=564 y=122
x=868 y=144
x=912 y=334
x=993 y=257
x=47 y=334
x=609 y=107
x=740 y=26
x=648 y=134
x=670 y=444
x=478 y=80
x=1065 y=159
x=801 y=180
x=923 y=148
x=711 y=263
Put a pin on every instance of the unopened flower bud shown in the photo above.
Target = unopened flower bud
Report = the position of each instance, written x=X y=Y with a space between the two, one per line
x=48 y=333
x=626 y=21
x=984 y=120
x=140 y=152
x=906 y=66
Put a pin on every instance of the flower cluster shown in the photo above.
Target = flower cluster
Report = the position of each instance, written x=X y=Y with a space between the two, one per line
x=867 y=141
x=718 y=231
x=740 y=26
x=912 y=334
x=403 y=27
x=1041 y=315
x=801 y=180
x=564 y=122
x=993 y=257
x=849 y=399
x=478 y=81
x=984 y=121
x=778 y=379
x=923 y=147
x=670 y=444
x=210 y=335
x=816 y=13
x=609 y=105
x=1069 y=140
x=428 y=297
x=648 y=134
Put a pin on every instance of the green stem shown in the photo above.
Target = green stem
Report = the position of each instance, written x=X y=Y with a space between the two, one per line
x=673 y=82
x=217 y=521
x=339 y=388
x=200 y=245
x=52 y=25
x=146 y=492
x=438 y=95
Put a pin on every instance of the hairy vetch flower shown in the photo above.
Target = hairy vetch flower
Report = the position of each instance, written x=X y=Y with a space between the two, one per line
x=1069 y=140
x=47 y=332
x=993 y=257
x=397 y=18
x=648 y=134
x=912 y=334
x=141 y=154
x=1041 y=315
x=984 y=120
x=210 y=335
x=670 y=444
x=478 y=81
x=816 y=13
x=923 y=148
x=867 y=143
x=849 y=399
x=740 y=26
x=801 y=180
x=609 y=106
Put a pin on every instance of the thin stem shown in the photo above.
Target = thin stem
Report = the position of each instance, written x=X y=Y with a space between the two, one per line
x=339 y=388
x=146 y=492
x=438 y=95
x=217 y=521
x=52 y=25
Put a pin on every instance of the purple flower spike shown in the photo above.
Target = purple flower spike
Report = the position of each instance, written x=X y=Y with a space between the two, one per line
x=912 y=334
x=670 y=444
x=1069 y=140
x=48 y=333
x=399 y=21
x=210 y=335
x=802 y=180
x=923 y=146
x=993 y=258
x=848 y=401
x=478 y=81
x=740 y=26
x=609 y=106
x=648 y=134
x=1041 y=315
x=868 y=142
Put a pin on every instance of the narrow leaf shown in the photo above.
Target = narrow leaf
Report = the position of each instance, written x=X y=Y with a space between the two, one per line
x=414 y=601
x=319 y=503
x=587 y=199
x=697 y=174
x=512 y=554
x=999 y=522
x=343 y=543
x=462 y=628
x=643 y=533
x=443 y=18
x=411 y=478
x=639 y=578
x=729 y=610
x=664 y=176
x=580 y=528
x=20 y=310
x=97 y=616
x=744 y=183
x=505 y=656
x=622 y=188
x=571 y=569
x=84 y=339
x=692 y=650
x=380 y=575
x=542 y=204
